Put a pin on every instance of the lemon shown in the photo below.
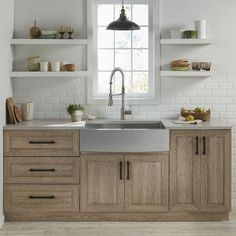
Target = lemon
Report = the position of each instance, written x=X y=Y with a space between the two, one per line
x=189 y=118
x=198 y=109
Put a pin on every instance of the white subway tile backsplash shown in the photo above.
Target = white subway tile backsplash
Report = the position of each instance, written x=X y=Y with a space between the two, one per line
x=204 y=93
x=226 y=100
x=211 y=101
x=44 y=108
x=226 y=85
x=66 y=101
x=51 y=115
x=190 y=93
x=218 y=93
x=212 y=85
x=51 y=101
x=197 y=101
x=58 y=108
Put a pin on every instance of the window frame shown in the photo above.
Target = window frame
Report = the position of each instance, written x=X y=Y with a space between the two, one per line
x=154 y=54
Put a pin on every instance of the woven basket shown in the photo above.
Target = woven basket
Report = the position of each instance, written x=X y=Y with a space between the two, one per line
x=204 y=116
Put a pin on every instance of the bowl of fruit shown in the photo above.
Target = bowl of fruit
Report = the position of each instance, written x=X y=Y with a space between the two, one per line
x=196 y=114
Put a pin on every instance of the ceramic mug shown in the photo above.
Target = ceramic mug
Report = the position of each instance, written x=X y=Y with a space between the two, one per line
x=44 y=66
x=55 y=66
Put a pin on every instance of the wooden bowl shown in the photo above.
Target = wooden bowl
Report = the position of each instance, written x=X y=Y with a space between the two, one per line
x=70 y=67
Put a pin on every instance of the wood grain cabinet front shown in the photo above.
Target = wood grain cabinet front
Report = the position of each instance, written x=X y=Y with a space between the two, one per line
x=216 y=171
x=124 y=183
x=41 y=198
x=200 y=171
x=147 y=183
x=41 y=170
x=41 y=143
x=102 y=186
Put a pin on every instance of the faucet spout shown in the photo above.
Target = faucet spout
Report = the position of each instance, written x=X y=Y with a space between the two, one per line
x=122 y=94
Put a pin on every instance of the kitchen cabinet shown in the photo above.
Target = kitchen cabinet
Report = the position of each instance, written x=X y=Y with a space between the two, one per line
x=46 y=177
x=102 y=186
x=38 y=170
x=146 y=183
x=38 y=143
x=41 y=171
x=216 y=171
x=132 y=183
x=43 y=198
x=184 y=171
x=200 y=171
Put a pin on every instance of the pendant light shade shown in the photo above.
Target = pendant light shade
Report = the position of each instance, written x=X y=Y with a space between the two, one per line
x=123 y=23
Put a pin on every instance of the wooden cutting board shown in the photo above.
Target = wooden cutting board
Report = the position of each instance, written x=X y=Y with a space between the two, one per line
x=18 y=114
x=11 y=119
x=187 y=122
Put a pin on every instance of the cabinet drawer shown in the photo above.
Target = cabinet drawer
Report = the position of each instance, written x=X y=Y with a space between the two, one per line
x=41 y=143
x=41 y=170
x=63 y=198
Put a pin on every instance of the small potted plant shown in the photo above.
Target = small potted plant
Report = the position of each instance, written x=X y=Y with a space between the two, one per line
x=76 y=112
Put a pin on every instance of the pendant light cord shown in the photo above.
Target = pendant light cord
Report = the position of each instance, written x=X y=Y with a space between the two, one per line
x=122 y=3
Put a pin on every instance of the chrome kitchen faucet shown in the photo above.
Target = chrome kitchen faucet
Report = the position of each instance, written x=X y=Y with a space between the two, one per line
x=123 y=112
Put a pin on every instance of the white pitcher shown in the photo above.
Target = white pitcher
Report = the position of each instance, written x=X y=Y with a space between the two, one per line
x=27 y=110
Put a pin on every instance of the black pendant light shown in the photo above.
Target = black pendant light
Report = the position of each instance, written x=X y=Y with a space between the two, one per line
x=123 y=23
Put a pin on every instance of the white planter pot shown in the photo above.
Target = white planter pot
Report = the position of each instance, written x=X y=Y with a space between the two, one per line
x=77 y=116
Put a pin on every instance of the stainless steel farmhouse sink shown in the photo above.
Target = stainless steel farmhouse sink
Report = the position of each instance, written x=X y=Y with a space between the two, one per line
x=124 y=136
x=157 y=125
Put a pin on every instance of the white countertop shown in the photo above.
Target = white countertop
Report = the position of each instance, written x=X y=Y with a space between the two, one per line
x=66 y=124
x=213 y=124
x=46 y=124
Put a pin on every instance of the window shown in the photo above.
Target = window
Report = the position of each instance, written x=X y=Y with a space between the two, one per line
x=133 y=51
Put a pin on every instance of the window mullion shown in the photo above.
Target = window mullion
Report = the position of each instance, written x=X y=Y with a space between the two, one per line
x=114 y=46
x=131 y=52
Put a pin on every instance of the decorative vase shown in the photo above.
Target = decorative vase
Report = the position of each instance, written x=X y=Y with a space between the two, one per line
x=35 y=31
x=77 y=116
x=33 y=63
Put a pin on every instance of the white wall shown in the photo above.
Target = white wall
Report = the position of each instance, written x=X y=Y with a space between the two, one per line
x=6 y=29
x=218 y=92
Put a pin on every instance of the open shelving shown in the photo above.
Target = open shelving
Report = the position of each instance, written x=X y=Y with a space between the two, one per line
x=49 y=42
x=38 y=74
x=186 y=41
x=186 y=73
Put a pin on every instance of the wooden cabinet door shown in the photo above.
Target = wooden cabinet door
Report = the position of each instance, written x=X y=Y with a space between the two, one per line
x=216 y=171
x=146 y=183
x=185 y=171
x=102 y=183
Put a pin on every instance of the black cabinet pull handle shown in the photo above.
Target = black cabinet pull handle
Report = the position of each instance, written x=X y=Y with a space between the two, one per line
x=197 y=140
x=204 y=145
x=121 y=171
x=128 y=170
x=42 y=170
x=41 y=197
x=42 y=142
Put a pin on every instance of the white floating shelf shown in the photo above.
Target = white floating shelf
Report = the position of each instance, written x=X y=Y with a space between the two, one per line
x=186 y=73
x=16 y=74
x=49 y=41
x=186 y=41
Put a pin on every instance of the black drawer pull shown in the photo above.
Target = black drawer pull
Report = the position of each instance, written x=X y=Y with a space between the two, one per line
x=42 y=170
x=128 y=170
x=121 y=171
x=197 y=139
x=204 y=145
x=42 y=142
x=41 y=197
